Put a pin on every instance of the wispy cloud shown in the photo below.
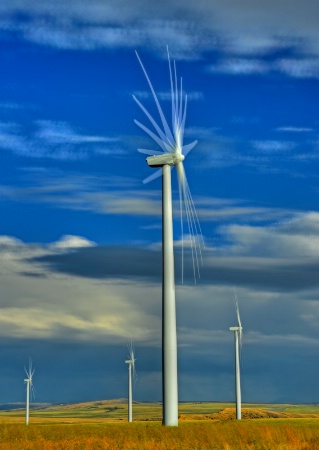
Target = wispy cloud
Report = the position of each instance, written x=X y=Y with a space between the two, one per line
x=166 y=96
x=113 y=195
x=273 y=146
x=15 y=106
x=108 y=195
x=54 y=140
x=243 y=35
x=291 y=129
x=240 y=66
x=301 y=67
x=62 y=133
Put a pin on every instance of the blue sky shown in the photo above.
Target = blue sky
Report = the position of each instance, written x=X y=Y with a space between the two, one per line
x=80 y=234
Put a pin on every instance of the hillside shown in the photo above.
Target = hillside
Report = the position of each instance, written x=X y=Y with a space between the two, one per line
x=116 y=410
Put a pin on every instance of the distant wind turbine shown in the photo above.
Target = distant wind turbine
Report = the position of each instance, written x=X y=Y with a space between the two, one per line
x=131 y=373
x=29 y=389
x=238 y=333
x=172 y=153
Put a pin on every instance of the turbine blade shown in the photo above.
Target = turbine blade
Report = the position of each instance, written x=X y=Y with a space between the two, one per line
x=149 y=152
x=236 y=303
x=173 y=100
x=131 y=356
x=159 y=141
x=162 y=135
x=156 y=174
x=32 y=391
x=30 y=370
x=187 y=148
x=181 y=220
x=177 y=106
x=164 y=122
x=171 y=141
x=182 y=113
x=237 y=307
x=192 y=220
x=133 y=359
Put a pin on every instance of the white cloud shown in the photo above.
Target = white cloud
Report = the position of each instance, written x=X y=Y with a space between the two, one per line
x=12 y=105
x=299 y=68
x=294 y=238
x=303 y=67
x=122 y=196
x=54 y=140
x=68 y=241
x=292 y=129
x=190 y=29
x=62 y=133
x=39 y=304
x=240 y=66
x=9 y=242
x=166 y=96
x=104 y=195
x=270 y=146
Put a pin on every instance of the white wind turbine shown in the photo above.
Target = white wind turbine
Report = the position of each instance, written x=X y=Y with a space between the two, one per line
x=29 y=389
x=131 y=373
x=173 y=152
x=238 y=333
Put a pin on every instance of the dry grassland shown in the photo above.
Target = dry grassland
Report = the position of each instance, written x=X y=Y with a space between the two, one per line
x=103 y=425
x=269 y=434
x=260 y=429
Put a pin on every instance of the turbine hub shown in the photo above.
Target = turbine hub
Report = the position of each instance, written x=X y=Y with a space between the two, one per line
x=170 y=159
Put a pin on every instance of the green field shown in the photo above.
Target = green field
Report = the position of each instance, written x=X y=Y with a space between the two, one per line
x=117 y=410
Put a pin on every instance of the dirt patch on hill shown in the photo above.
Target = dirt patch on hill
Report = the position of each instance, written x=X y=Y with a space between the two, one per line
x=246 y=413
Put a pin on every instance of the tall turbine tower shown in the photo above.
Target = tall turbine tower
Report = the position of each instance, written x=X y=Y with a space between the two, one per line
x=173 y=152
x=131 y=371
x=29 y=390
x=238 y=333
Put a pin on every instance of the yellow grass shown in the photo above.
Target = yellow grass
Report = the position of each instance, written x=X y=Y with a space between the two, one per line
x=261 y=434
x=103 y=425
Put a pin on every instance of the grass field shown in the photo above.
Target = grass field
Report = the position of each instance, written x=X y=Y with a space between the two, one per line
x=103 y=425
x=117 y=410
x=269 y=434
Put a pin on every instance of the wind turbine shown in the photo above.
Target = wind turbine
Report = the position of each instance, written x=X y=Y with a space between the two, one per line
x=131 y=372
x=29 y=389
x=172 y=153
x=238 y=333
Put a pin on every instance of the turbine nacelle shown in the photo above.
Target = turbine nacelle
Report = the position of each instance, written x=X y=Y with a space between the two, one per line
x=170 y=159
x=235 y=328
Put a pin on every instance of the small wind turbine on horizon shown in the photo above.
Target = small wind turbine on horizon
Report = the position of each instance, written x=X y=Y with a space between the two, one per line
x=29 y=389
x=131 y=373
x=238 y=333
x=172 y=153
